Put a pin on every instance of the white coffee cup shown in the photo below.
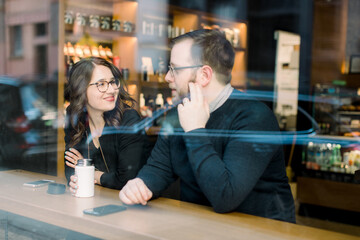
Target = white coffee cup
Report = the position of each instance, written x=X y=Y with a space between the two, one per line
x=84 y=170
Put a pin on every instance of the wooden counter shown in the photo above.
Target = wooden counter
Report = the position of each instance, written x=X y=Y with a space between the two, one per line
x=327 y=193
x=160 y=219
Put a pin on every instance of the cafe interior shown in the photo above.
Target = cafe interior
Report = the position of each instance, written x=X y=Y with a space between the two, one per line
x=300 y=58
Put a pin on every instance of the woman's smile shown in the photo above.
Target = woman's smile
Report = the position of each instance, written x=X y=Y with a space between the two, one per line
x=110 y=99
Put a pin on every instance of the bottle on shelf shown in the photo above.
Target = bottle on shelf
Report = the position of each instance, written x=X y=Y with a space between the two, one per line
x=95 y=51
x=102 y=52
x=159 y=101
x=145 y=111
x=144 y=73
x=142 y=100
x=109 y=53
x=169 y=30
x=161 y=70
x=86 y=51
x=236 y=38
x=325 y=157
x=310 y=155
x=126 y=73
x=116 y=61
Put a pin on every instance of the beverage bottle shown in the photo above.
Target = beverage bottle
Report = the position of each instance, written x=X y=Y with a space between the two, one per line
x=159 y=101
x=310 y=155
x=144 y=73
x=318 y=157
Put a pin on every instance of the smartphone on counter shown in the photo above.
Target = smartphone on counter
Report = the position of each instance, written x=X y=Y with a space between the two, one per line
x=104 y=210
x=38 y=183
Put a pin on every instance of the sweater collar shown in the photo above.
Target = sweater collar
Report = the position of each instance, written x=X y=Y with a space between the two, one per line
x=221 y=98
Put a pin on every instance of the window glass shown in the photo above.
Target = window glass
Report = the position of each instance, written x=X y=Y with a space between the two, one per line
x=40 y=29
x=17 y=41
x=41 y=56
x=301 y=59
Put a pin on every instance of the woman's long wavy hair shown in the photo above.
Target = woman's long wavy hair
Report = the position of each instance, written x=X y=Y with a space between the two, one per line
x=78 y=82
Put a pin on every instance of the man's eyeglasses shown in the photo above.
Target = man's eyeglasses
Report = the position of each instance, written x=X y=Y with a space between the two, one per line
x=172 y=69
x=103 y=86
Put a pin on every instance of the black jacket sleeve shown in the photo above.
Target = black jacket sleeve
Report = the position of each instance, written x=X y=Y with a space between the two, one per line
x=158 y=173
x=131 y=151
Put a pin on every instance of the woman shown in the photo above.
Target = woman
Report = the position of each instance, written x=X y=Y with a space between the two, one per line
x=98 y=102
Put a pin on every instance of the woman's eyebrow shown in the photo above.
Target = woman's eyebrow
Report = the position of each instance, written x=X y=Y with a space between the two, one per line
x=104 y=80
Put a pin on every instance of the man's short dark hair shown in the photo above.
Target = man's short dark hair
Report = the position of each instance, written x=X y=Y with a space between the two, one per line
x=210 y=47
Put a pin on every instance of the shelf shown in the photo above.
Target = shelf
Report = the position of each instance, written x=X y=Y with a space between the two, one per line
x=328 y=193
x=154 y=46
x=156 y=17
x=99 y=36
x=334 y=138
x=155 y=84
x=328 y=175
x=348 y=126
x=344 y=130
x=349 y=112
x=143 y=84
x=132 y=82
x=222 y=20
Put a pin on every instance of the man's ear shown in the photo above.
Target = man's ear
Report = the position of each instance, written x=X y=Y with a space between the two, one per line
x=206 y=75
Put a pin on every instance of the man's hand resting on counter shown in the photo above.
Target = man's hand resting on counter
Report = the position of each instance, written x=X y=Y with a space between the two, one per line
x=135 y=192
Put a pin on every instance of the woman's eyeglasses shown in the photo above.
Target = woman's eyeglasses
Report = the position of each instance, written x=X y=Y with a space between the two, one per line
x=103 y=86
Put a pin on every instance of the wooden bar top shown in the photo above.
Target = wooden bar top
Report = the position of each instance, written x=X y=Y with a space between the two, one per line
x=161 y=219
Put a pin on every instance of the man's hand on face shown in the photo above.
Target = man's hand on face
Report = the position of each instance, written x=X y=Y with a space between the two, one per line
x=195 y=113
x=135 y=192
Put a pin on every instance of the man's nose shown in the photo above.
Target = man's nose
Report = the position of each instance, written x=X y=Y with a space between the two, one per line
x=168 y=77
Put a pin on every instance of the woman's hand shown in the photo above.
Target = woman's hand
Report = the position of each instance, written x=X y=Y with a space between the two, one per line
x=73 y=184
x=72 y=156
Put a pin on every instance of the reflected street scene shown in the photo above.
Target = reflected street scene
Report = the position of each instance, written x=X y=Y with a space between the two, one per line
x=29 y=124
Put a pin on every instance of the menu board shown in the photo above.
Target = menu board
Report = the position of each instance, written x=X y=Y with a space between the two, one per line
x=286 y=79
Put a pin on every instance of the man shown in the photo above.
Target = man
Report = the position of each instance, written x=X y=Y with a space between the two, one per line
x=215 y=164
